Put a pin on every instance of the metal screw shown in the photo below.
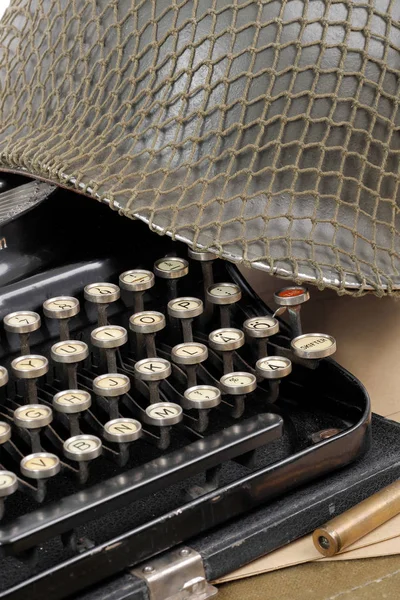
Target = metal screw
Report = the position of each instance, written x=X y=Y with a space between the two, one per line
x=184 y=552
x=324 y=542
x=148 y=569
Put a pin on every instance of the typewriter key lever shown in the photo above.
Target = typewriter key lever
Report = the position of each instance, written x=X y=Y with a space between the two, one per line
x=190 y=355
x=225 y=295
x=70 y=353
x=313 y=346
x=206 y=260
x=3 y=380
x=102 y=294
x=273 y=368
x=122 y=431
x=226 y=340
x=109 y=338
x=291 y=298
x=23 y=322
x=185 y=309
x=33 y=417
x=260 y=329
x=40 y=466
x=8 y=486
x=146 y=324
x=83 y=449
x=203 y=398
x=153 y=370
x=5 y=432
x=112 y=386
x=72 y=403
x=171 y=269
x=163 y=415
x=238 y=384
x=30 y=368
x=61 y=308
x=137 y=281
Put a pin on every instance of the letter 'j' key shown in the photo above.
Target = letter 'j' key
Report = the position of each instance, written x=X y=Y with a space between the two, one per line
x=112 y=386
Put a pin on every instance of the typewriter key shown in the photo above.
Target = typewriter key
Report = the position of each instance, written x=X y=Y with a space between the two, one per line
x=72 y=403
x=224 y=294
x=238 y=384
x=61 y=308
x=5 y=432
x=122 y=431
x=137 y=281
x=82 y=448
x=22 y=322
x=102 y=294
x=206 y=260
x=153 y=370
x=146 y=324
x=40 y=465
x=70 y=353
x=292 y=298
x=109 y=338
x=3 y=376
x=185 y=309
x=226 y=340
x=112 y=386
x=30 y=368
x=313 y=346
x=33 y=417
x=163 y=414
x=190 y=355
x=202 y=397
x=273 y=368
x=171 y=268
x=8 y=486
x=260 y=329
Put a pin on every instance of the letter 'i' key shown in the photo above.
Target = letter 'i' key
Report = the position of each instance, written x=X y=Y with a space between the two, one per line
x=72 y=403
x=206 y=260
x=225 y=295
x=203 y=398
x=137 y=281
x=153 y=370
x=109 y=338
x=112 y=386
x=22 y=322
x=238 y=384
x=260 y=329
x=273 y=368
x=313 y=347
x=123 y=431
x=70 y=353
x=163 y=415
x=83 y=449
x=190 y=355
x=171 y=269
x=102 y=294
x=146 y=324
x=33 y=417
x=30 y=368
x=291 y=299
x=40 y=466
x=61 y=308
x=226 y=340
x=185 y=309
x=8 y=486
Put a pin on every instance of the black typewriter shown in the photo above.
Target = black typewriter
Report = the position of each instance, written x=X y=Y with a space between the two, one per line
x=148 y=394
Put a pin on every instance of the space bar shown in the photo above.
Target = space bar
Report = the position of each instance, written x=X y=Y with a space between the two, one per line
x=65 y=515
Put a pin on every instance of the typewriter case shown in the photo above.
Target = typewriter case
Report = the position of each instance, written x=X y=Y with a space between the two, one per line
x=246 y=128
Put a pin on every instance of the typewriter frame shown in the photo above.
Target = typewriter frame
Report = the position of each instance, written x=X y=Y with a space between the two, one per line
x=213 y=508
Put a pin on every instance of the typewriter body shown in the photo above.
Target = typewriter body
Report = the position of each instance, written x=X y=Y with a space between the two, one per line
x=129 y=426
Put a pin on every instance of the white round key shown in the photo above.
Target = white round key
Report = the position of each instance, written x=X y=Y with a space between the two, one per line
x=122 y=430
x=152 y=369
x=102 y=293
x=185 y=308
x=136 y=280
x=224 y=293
x=226 y=339
x=82 y=448
x=8 y=483
x=163 y=414
x=238 y=383
x=40 y=465
x=202 y=397
x=313 y=345
x=71 y=402
x=111 y=385
x=261 y=327
x=109 y=336
x=274 y=367
x=5 y=432
x=29 y=366
x=292 y=296
x=33 y=416
x=201 y=256
x=22 y=321
x=147 y=321
x=61 y=307
x=189 y=353
x=69 y=351
x=3 y=376
x=171 y=267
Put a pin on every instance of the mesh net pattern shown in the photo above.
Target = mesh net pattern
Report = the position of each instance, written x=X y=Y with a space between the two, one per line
x=267 y=130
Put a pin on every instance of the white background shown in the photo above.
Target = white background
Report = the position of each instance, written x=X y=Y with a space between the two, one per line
x=3 y=6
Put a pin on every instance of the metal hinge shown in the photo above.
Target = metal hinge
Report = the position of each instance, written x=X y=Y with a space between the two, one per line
x=176 y=575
